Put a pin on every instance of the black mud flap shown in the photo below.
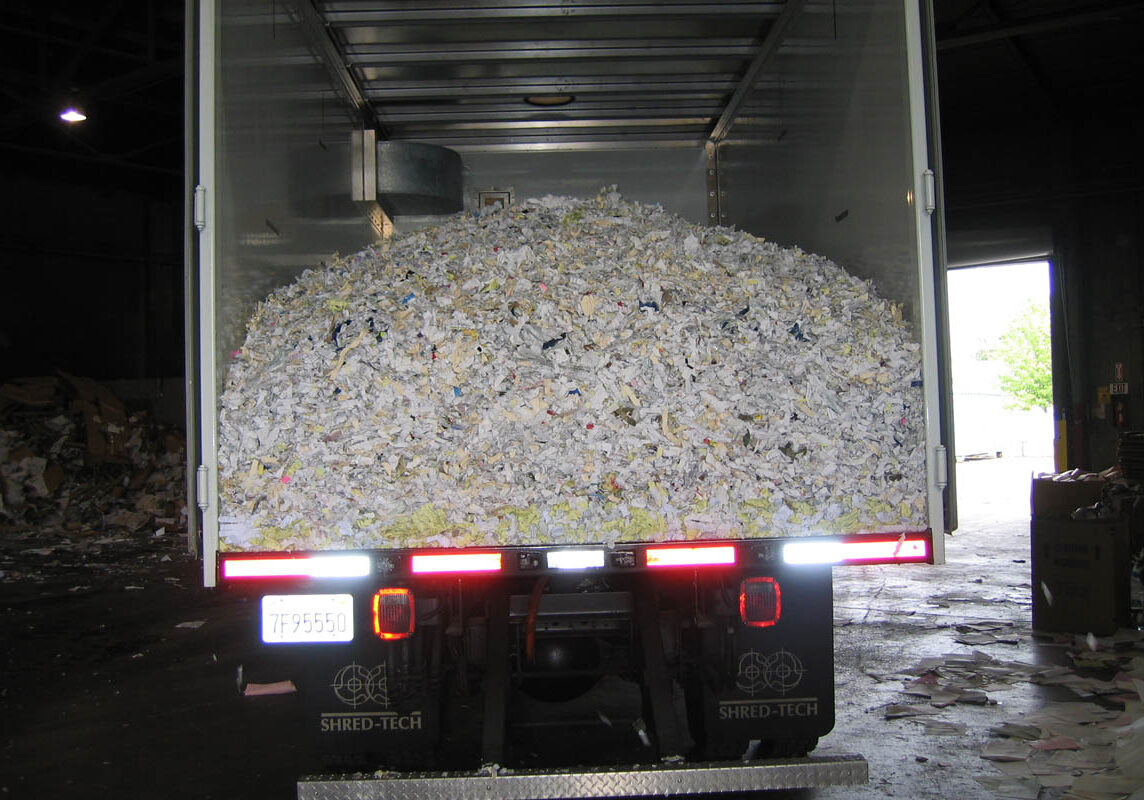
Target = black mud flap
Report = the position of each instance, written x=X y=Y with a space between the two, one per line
x=768 y=691
x=362 y=709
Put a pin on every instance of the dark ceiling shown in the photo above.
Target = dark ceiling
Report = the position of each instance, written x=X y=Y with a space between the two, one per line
x=1039 y=100
x=121 y=60
x=1003 y=65
x=1038 y=56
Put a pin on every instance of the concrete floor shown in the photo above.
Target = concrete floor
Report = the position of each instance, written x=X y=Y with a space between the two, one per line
x=889 y=618
x=104 y=695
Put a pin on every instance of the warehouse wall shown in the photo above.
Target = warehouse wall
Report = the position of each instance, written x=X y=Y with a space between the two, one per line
x=1071 y=186
x=1103 y=268
x=91 y=274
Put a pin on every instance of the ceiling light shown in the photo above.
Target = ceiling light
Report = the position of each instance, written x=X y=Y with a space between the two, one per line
x=71 y=114
x=549 y=99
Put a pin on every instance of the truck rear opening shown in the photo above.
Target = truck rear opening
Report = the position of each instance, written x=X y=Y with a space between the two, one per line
x=546 y=495
x=562 y=656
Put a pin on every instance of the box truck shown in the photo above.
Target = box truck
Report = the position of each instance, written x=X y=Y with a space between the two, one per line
x=545 y=360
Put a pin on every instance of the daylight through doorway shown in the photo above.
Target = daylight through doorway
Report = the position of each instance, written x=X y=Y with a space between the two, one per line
x=1002 y=387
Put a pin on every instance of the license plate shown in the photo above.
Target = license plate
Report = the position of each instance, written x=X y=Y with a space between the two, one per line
x=291 y=618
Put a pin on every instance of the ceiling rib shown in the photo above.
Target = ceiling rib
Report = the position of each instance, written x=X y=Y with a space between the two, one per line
x=1109 y=14
x=660 y=84
x=376 y=55
x=351 y=12
x=766 y=52
x=330 y=55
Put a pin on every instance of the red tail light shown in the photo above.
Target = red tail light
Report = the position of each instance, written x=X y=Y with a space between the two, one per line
x=760 y=602
x=393 y=613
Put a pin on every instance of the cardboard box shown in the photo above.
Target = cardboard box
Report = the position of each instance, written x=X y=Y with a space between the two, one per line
x=1081 y=574
x=1059 y=499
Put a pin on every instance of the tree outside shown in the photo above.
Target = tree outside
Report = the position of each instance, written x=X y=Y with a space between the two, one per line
x=1024 y=349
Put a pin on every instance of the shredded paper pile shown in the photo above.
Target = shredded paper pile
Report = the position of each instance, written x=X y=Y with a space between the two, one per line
x=569 y=371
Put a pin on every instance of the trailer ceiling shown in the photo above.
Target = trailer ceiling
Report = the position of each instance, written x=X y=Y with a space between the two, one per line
x=556 y=75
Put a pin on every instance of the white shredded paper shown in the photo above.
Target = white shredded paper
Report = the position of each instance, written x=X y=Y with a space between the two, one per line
x=570 y=371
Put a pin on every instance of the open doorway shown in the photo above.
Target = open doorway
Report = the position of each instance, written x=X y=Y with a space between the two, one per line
x=1002 y=388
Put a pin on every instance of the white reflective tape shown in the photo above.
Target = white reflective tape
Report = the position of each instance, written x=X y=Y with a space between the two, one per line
x=347 y=566
x=575 y=559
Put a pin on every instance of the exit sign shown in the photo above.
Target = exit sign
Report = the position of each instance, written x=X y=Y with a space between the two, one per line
x=1118 y=388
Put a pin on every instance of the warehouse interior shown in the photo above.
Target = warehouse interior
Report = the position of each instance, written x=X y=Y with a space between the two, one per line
x=1040 y=129
x=1039 y=120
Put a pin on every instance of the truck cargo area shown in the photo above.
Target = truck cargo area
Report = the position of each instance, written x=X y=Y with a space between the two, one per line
x=409 y=467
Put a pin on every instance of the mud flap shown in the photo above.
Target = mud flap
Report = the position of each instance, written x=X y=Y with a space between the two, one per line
x=774 y=684
x=360 y=707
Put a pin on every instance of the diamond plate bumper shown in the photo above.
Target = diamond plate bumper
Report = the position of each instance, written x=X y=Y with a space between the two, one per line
x=664 y=779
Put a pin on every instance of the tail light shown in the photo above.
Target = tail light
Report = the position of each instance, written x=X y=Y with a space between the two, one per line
x=760 y=602
x=393 y=613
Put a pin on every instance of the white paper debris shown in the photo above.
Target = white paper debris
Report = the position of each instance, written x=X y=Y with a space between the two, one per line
x=1018 y=788
x=1006 y=750
x=570 y=371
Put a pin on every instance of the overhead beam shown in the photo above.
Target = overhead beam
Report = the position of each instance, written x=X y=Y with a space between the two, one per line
x=647 y=86
x=329 y=53
x=349 y=12
x=91 y=38
x=767 y=50
x=136 y=79
x=1108 y=14
x=376 y=55
x=1021 y=53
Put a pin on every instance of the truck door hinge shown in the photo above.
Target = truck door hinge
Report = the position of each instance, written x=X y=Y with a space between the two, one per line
x=200 y=208
x=941 y=464
x=202 y=490
x=929 y=185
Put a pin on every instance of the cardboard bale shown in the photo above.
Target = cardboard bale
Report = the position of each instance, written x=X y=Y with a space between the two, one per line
x=1057 y=499
x=1080 y=575
x=105 y=420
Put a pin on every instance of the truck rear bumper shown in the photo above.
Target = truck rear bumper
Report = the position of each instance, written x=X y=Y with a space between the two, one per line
x=495 y=783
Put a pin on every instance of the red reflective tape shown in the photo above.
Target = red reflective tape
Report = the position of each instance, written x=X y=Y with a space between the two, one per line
x=857 y=551
x=699 y=556
x=425 y=564
x=348 y=565
x=292 y=567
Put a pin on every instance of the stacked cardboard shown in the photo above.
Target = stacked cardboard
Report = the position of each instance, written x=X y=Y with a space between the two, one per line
x=1080 y=566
